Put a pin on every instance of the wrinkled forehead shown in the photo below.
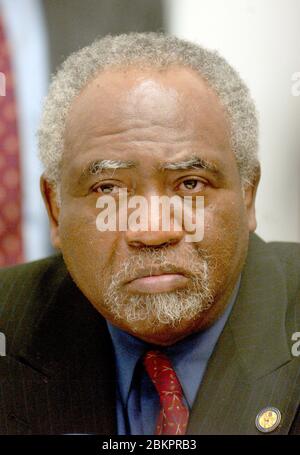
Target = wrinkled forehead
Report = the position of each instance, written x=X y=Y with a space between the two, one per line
x=120 y=98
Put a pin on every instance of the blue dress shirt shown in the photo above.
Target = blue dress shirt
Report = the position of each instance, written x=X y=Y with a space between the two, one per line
x=137 y=400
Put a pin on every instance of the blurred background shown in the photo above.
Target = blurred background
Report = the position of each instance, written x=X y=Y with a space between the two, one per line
x=260 y=38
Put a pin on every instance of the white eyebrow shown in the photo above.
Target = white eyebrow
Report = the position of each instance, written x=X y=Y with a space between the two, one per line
x=191 y=163
x=97 y=166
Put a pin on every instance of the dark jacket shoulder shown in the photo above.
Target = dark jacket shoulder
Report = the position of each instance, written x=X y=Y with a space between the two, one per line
x=289 y=256
x=26 y=290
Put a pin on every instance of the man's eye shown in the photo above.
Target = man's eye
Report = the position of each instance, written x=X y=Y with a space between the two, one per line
x=107 y=188
x=191 y=184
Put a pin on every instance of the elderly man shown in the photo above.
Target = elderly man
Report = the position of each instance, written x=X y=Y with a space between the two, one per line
x=139 y=331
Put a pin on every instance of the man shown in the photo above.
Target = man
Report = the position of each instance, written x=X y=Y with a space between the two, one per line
x=139 y=331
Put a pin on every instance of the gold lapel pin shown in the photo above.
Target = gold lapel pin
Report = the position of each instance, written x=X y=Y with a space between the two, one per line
x=268 y=419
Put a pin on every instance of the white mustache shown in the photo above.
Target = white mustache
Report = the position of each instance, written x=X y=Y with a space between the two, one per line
x=168 y=308
x=156 y=262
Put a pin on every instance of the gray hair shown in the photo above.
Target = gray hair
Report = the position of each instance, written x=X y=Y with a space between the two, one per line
x=152 y=50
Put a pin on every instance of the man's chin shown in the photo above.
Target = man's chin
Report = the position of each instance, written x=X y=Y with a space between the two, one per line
x=160 y=318
x=154 y=331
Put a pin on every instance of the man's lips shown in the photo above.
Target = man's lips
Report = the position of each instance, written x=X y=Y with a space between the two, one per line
x=157 y=281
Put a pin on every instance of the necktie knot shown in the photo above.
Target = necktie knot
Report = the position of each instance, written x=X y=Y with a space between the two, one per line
x=161 y=373
x=174 y=413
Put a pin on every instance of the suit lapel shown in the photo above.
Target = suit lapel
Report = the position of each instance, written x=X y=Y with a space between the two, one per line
x=66 y=377
x=251 y=367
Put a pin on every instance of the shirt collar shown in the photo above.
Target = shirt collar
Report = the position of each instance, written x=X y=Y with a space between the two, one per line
x=190 y=351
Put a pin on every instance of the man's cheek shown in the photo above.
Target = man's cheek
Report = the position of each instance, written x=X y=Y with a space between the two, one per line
x=215 y=222
x=83 y=243
x=229 y=214
x=77 y=225
x=222 y=233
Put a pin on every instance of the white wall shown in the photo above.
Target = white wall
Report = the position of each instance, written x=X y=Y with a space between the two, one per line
x=261 y=39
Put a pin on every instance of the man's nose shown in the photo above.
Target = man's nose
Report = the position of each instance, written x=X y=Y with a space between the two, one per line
x=153 y=238
x=156 y=232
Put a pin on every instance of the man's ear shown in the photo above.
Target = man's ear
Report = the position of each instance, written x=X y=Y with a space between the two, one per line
x=49 y=194
x=249 y=199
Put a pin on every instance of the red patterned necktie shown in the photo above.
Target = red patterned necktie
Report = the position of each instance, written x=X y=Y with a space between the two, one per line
x=174 y=414
x=10 y=186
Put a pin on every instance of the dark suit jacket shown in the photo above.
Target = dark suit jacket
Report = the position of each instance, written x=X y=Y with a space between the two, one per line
x=59 y=373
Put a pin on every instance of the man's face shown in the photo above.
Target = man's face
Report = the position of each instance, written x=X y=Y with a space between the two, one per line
x=152 y=284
